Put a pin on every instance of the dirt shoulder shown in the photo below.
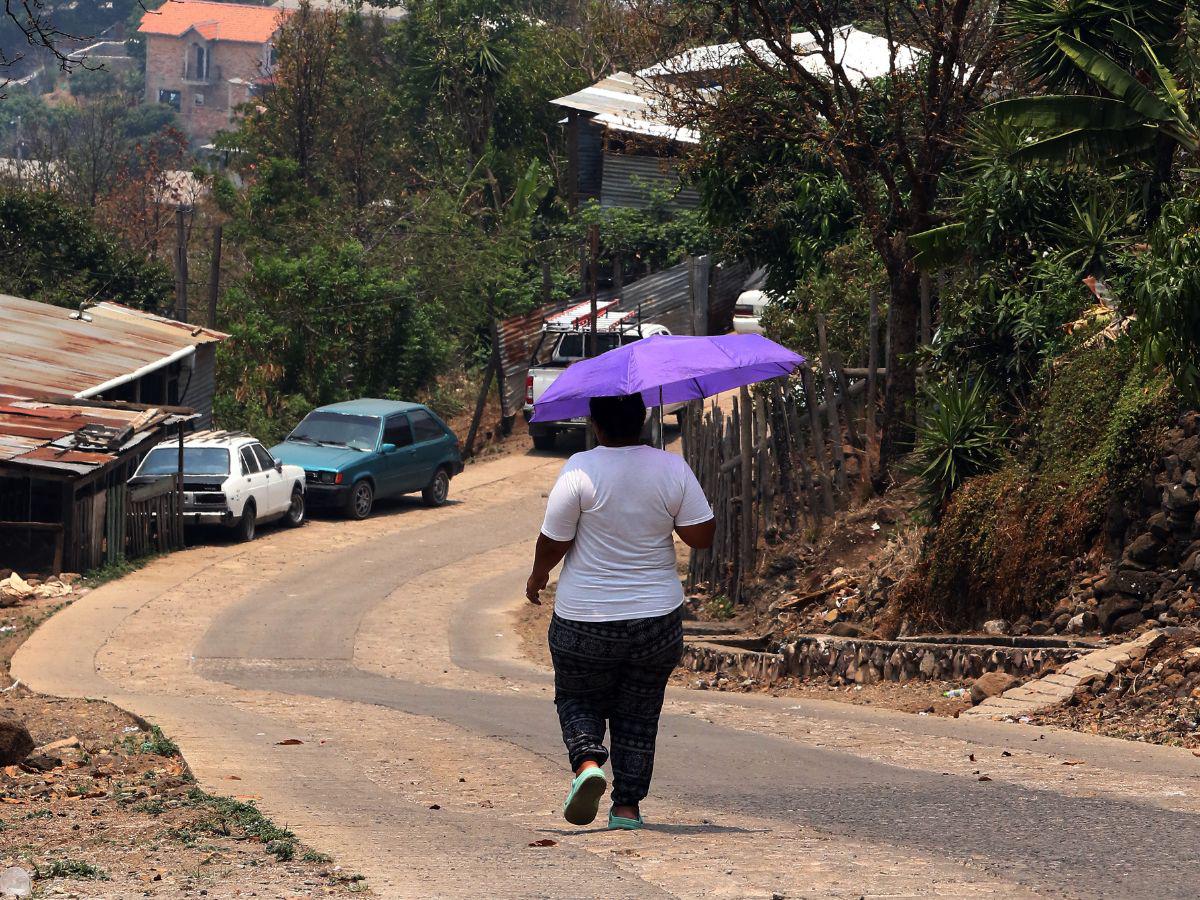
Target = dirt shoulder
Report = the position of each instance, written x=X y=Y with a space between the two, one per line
x=106 y=807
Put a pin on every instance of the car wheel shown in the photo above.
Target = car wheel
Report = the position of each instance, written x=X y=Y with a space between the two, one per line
x=544 y=441
x=436 y=492
x=362 y=498
x=296 y=512
x=248 y=524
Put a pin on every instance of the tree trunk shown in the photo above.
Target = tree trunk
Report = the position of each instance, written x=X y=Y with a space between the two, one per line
x=900 y=390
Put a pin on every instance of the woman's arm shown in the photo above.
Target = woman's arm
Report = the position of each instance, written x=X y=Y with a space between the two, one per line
x=549 y=553
x=699 y=536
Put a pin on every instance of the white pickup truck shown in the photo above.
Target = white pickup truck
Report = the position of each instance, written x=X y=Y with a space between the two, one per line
x=568 y=334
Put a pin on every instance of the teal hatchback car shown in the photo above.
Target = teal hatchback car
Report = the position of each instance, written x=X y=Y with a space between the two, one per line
x=355 y=452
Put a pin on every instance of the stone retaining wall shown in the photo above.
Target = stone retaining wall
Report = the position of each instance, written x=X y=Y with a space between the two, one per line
x=842 y=661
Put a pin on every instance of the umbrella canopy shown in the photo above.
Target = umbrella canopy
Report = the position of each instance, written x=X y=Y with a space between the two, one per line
x=666 y=369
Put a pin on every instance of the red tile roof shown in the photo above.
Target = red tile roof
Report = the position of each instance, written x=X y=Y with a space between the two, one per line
x=215 y=21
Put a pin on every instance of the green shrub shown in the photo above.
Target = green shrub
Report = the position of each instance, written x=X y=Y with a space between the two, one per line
x=1003 y=544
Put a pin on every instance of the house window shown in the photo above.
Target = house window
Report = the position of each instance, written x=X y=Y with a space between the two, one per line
x=201 y=70
x=199 y=99
x=171 y=98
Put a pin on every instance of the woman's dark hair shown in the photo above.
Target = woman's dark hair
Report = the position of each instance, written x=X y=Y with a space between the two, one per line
x=620 y=418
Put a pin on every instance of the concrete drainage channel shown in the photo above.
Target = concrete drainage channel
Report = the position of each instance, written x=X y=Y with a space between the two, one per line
x=842 y=661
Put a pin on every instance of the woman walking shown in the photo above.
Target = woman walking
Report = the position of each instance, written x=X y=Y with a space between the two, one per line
x=617 y=629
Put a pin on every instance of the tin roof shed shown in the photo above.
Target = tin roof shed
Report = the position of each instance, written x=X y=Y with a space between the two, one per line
x=51 y=351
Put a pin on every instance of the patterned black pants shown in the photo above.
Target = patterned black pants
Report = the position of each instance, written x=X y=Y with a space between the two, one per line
x=614 y=671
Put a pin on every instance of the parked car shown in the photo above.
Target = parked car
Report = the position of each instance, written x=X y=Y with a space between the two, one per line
x=355 y=452
x=229 y=479
x=569 y=332
x=748 y=310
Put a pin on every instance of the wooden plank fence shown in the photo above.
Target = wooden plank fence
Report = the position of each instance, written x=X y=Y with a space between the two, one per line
x=153 y=518
x=784 y=457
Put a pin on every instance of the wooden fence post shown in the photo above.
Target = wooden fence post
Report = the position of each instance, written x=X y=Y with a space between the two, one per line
x=831 y=410
x=819 y=452
x=872 y=366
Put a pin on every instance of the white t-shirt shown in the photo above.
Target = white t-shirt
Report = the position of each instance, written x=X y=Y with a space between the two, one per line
x=620 y=505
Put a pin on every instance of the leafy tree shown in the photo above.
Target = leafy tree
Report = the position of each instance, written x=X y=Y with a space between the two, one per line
x=770 y=196
x=54 y=253
x=1167 y=295
x=891 y=139
x=319 y=326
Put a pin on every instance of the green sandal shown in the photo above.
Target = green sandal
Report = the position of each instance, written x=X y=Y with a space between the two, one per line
x=583 y=800
x=620 y=823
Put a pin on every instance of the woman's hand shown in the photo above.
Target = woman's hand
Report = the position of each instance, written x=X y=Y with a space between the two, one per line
x=546 y=556
x=535 y=585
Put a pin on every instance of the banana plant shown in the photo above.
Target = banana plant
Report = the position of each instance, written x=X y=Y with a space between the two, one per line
x=1130 y=118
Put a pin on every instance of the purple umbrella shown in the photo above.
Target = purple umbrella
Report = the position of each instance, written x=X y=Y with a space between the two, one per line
x=666 y=369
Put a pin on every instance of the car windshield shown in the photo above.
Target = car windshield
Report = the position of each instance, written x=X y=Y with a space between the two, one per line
x=337 y=430
x=572 y=345
x=196 y=461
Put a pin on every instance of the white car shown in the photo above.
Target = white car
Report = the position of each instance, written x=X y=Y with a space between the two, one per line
x=748 y=310
x=229 y=479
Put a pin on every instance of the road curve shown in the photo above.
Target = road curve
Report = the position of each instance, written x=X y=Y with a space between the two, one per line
x=387 y=647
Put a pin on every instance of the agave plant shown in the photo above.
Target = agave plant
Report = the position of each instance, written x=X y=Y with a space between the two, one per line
x=957 y=438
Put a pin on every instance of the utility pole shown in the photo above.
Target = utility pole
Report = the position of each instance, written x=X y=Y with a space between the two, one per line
x=181 y=265
x=594 y=248
x=214 y=276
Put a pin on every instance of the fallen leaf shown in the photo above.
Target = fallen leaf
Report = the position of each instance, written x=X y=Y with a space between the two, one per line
x=544 y=842
x=290 y=742
x=434 y=806
x=984 y=778
x=1074 y=762
x=971 y=757
x=233 y=777
x=1006 y=753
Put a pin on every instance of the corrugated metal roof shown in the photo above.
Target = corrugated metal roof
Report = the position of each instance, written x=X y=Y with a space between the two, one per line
x=45 y=352
x=626 y=102
x=861 y=54
x=41 y=434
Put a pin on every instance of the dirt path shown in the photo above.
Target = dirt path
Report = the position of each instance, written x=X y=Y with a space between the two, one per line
x=430 y=760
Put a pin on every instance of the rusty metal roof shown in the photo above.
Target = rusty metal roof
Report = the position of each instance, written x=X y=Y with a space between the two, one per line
x=44 y=434
x=45 y=352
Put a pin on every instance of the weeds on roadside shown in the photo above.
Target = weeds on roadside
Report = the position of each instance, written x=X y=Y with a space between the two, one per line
x=70 y=868
x=113 y=571
x=227 y=813
x=157 y=743
x=314 y=856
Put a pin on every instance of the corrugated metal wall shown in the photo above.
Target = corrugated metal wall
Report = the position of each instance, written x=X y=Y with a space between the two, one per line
x=629 y=180
x=590 y=158
x=198 y=390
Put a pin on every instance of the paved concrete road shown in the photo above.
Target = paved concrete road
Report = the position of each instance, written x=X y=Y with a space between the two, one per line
x=431 y=759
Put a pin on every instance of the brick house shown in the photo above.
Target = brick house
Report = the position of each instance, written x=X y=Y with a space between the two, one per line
x=205 y=59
